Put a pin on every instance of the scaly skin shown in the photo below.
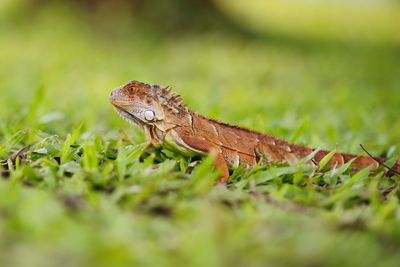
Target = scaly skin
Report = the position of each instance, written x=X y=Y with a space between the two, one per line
x=166 y=121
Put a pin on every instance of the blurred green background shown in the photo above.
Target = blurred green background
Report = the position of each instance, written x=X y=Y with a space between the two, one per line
x=332 y=66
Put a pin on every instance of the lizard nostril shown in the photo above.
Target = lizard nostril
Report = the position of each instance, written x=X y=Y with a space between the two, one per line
x=112 y=96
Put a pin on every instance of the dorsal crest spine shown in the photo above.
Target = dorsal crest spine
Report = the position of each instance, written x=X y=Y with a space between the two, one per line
x=169 y=98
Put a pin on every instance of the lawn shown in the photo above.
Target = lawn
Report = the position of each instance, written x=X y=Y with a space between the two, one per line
x=71 y=201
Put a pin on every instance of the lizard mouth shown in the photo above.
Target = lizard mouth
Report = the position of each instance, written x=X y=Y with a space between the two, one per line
x=128 y=116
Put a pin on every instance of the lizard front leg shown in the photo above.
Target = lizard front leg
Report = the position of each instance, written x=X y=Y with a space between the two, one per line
x=205 y=146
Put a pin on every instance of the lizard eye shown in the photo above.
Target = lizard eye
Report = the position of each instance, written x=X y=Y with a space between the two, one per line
x=131 y=89
x=149 y=115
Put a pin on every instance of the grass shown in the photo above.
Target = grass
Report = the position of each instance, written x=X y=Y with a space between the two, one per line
x=71 y=201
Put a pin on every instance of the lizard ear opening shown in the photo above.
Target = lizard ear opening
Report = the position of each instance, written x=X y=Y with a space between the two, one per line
x=149 y=115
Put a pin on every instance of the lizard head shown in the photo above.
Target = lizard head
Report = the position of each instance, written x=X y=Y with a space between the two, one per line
x=144 y=104
x=136 y=102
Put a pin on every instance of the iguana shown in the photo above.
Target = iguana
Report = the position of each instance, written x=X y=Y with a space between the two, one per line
x=166 y=121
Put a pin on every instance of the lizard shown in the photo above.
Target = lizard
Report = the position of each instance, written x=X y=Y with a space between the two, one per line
x=167 y=122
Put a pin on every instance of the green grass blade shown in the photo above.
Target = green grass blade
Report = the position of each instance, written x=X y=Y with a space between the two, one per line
x=65 y=152
x=90 y=159
x=300 y=130
x=326 y=159
x=14 y=140
x=308 y=158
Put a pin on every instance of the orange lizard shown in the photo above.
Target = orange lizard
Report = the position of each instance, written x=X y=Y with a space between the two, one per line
x=166 y=121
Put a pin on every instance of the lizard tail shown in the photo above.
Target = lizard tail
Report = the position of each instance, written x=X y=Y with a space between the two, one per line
x=359 y=163
x=396 y=167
